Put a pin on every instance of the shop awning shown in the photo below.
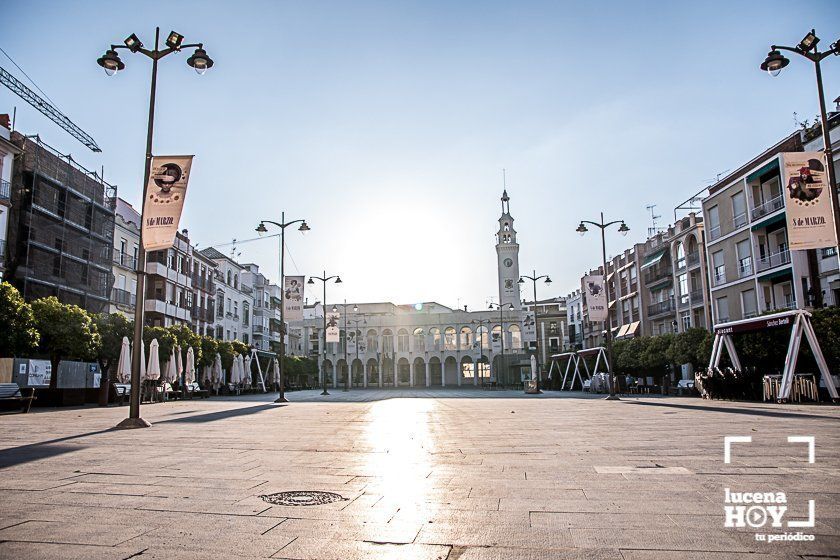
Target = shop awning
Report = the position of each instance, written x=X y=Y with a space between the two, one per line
x=763 y=170
x=651 y=260
x=632 y=328
x=622 y=331
x=769 y=221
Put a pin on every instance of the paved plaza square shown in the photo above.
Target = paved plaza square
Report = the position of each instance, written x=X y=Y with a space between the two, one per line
x=445 y=474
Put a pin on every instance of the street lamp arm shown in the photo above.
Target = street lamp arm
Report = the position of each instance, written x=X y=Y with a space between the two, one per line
x=602 y=226
x=812 y=56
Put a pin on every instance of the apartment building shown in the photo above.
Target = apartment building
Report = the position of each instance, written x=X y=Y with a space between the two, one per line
x=658 y=285
x=552 y=331
x=691 y=289
x=751 y=269
x=126 y=248
x=234 y=298
x=204 y=294
x=574 y=320
x=7 y=156
x=169 y=284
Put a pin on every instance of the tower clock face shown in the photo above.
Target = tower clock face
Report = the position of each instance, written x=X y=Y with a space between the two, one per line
x=508 y=263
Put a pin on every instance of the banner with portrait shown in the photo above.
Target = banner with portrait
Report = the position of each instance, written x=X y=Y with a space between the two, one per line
x=293 y=298
x=164 y=200
x=808 y=200
x=496 y=341
x=596 y=297
x=333 y=332
x=352 y=341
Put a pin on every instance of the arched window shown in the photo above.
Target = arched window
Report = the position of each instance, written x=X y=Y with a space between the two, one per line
x=372 y=341
x=229 y=278
x=449 y=340
x=466 y=339
x=484 y=336
x=402 y=340
x=388 y=341
x=515 y=337
x=507 y=226
x=236 y=281
x=434 y=336
x=680 y=256
x=419 y=340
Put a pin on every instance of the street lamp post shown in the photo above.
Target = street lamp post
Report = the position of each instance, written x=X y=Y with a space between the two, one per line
x=623 y=230
x=261 y=229
x=112 y=64
x=357 y=334
x=774 y=63
x=324 y=279
x=346 y=365
x=536 y=279
x=501 y=309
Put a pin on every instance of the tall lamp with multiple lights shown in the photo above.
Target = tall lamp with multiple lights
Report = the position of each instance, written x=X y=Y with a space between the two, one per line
x=536 y=279
x=324 y=279
x=623 y=230
x=357 y=333
x=112 y=64
x=261 y=229
x=807 y=48
x=480 y=340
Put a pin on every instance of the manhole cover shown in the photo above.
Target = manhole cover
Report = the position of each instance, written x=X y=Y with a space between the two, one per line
x=302 y=498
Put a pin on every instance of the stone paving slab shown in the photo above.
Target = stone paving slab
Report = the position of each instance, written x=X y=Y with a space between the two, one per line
x=425 y=474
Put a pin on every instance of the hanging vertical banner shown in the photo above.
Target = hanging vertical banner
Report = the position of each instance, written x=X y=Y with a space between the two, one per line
x=496 y=341
x=333 y=332
x=293 y=298
x=351 y=342
x=529 y=328
x=596 y=297
x=164 y=200
x=808 y=201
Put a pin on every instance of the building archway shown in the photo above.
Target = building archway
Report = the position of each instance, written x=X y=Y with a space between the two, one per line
x=373 y=372
x=418 y=374
x=467 y=371
x=403 y=372
x=327 y=371
x=450 y=371
x=358 y=374
x=388 y=371
x=436 y=371
x=341 y=372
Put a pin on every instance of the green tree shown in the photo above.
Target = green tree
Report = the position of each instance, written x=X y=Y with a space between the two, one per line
x=67 y=332
x=186 y=338
x=240 y=347
x=209 y=347
x=225 y=350
x=166 y=340
x=18 y=335
x=826 y=323
x=685 y=347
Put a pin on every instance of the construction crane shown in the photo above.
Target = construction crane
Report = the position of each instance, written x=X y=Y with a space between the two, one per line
x=47 y=109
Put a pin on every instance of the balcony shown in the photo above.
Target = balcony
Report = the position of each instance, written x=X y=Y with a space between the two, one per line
x=258 y=329
x=745 y=267
x=5 y=190
x=784 y=305
x=696 y=296
x=714 y=232
x=661 y=308
x=123 y=297
x=739 y=221
x=656 y=274
x=768 y=207
x=125 y=260
x=692 y=259
x=773 y=260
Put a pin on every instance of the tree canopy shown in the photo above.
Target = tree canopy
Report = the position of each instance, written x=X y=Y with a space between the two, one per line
x=67 y=332
x=19 y=334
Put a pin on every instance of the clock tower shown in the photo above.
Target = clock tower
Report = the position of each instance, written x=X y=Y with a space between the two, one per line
x=507 y=253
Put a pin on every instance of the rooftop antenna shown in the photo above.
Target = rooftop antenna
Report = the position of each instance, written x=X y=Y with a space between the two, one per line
x=234 y=254
x=654 y=229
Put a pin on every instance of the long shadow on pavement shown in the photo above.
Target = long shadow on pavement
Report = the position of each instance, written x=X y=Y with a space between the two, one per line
x=747 y=411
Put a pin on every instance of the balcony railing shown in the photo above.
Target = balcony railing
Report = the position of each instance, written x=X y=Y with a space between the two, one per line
x=123 y=297
x=745 y=268
x=696 y=296
x=124 y=259
x=662 y=307
x=656 y=274
x=719 y=275
x=714 y=232
x=692 y=259
x=5 y=190
x=768 y=207
x=739 y=221
x=773 y=260
x=787 y=303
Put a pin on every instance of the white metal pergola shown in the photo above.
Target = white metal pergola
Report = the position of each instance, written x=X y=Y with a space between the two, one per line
x=571 y=361
x=801 y=325
x=600 y=354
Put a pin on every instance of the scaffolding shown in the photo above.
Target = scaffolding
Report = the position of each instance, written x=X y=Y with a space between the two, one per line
x=61 y=227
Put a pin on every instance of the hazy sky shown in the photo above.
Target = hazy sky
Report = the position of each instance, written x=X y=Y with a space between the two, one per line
x=386 y=124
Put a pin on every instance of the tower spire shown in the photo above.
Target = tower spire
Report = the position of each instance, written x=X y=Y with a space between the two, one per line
x=505 y=197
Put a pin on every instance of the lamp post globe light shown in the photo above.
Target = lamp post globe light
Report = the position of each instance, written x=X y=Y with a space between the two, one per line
x=111 y=63
x=534 y=279
x=623 y=230
x=262 y=230
x=324 y=279
x=773 y=65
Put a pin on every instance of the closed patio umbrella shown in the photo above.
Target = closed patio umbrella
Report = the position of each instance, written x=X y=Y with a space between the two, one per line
x=124 y=363
x=179 y=362
x=142 y=361
x=153 y=370
x=237 y=369
x=189 y=371
x=171 y=374
x=217 y=370
x=249 y=376
x=276 y=376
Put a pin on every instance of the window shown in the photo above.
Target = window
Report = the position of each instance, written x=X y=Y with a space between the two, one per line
x=552 y=327
x=742 y=250
x=749 y=305
x=515 y=337
x=402 y=340
x=714 y=222
x=682 y=281
x=718 y=268
x=680 y=256
x=372 y=341
x=722 y=307
x=686 y=321
x=739 y=209
x=829 y=252
x=121 y=281
x=466 y=338
x=419 y=340
x=434 y=336
x=449 y=341
x=236 y=281
x=229 y=278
